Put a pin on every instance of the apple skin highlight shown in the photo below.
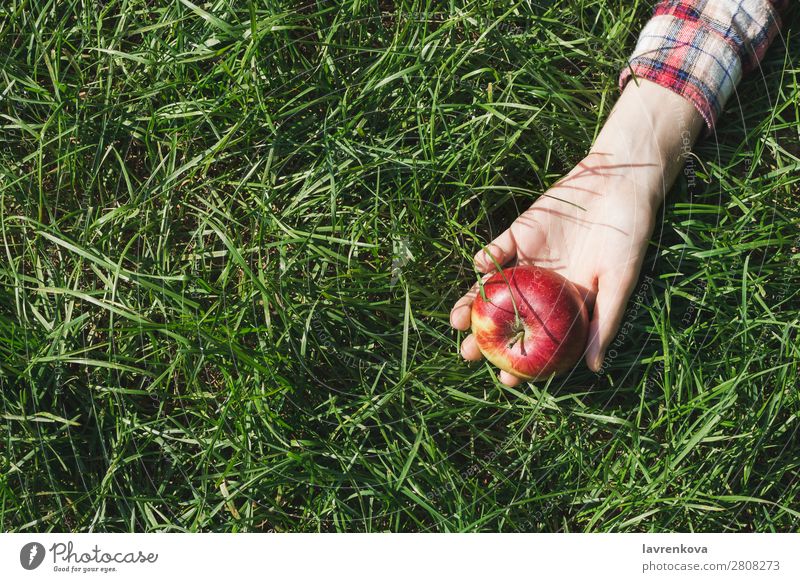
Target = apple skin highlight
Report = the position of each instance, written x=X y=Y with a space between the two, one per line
x=547 y=332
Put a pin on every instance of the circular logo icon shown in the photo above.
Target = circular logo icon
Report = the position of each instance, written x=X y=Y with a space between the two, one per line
x=31 y=555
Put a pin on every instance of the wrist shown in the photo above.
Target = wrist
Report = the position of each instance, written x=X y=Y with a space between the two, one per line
x=650 y=131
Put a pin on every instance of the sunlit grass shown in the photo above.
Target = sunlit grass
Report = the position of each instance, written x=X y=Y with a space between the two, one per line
x=231 y=233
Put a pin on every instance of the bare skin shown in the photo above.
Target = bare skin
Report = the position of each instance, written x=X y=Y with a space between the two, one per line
x=594 y=224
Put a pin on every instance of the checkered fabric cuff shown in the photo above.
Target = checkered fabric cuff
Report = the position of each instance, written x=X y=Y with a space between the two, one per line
x=701 y=48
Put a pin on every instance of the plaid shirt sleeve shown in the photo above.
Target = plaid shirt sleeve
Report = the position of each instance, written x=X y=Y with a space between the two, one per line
x=701 y=48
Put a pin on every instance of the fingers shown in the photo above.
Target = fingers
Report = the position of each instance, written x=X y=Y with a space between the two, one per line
x=469 y=349
x=496 y=254
x=609 y=306
x=460 y=315
x=471 y=353
x=509 y=379
x=502 y=249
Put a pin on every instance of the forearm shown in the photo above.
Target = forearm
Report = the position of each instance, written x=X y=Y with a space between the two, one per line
x=648 y=135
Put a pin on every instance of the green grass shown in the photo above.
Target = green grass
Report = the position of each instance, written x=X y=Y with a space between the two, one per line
x=231 y=233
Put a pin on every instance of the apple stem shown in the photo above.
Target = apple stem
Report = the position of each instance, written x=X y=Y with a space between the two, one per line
x=518 y=336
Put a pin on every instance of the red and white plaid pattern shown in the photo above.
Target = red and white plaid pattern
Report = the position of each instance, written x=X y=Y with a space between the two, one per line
x=701 y=48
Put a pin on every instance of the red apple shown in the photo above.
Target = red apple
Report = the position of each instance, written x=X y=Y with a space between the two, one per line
x=530 y=322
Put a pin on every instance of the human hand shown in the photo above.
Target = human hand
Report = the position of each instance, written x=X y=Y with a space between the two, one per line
x=593 y=225
x=591 y=228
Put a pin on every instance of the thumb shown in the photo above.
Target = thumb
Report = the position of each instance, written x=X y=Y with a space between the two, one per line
x=613 y=291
